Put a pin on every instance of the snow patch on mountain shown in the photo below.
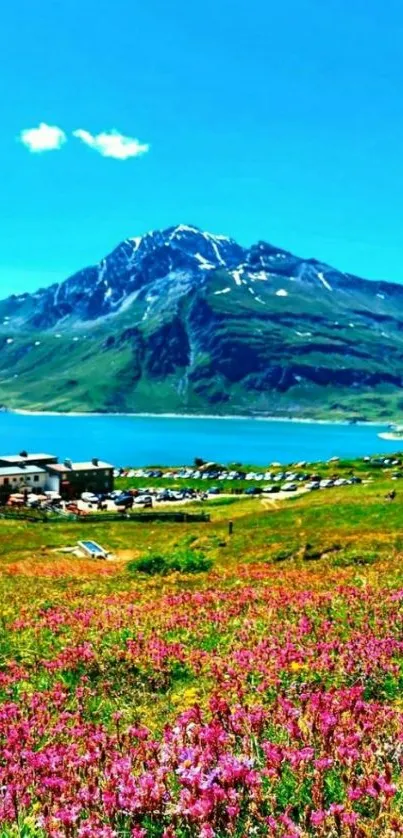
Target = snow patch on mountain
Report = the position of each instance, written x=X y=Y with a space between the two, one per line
x=204 y=263
x=183 y=228
x=214 y=245
x=221 y=238
x=258 y=275
x=324 y=281
x=135 y=241
x=237 y=277
x=102 y=268
x=127 y=302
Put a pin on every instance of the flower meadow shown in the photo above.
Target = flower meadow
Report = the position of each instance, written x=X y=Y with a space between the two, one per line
x=249 y=701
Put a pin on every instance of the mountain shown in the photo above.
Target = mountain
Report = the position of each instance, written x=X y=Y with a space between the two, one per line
x=181 y=320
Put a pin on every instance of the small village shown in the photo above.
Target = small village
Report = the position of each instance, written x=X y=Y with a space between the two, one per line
x=39 y=479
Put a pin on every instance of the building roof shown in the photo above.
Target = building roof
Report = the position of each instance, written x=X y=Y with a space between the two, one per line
x=17 y=459
x=17 y=471
x=88 y=466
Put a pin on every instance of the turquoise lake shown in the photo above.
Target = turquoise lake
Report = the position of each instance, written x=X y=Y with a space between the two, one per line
x=137 y=440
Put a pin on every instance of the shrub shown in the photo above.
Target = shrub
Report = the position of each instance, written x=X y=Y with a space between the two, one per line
x=356 y=557
x=151 y=564
x=190 y=561
x=181 y=561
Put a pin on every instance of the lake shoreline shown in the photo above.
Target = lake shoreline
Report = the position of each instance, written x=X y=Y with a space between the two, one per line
x=131 y=439
x=233 y=417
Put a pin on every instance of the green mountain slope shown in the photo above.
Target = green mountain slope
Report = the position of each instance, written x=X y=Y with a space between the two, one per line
x=182 y=321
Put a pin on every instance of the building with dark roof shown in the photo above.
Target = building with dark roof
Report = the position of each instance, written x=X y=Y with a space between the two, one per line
x=70 y=479
x=43 y=472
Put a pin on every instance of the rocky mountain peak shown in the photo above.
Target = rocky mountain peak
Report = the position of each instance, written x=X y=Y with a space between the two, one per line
x=160 y=268
x=208 y=250
x=183 y=319
x=127 y=273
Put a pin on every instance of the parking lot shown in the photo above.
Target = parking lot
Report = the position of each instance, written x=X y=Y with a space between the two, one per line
x=160 y=488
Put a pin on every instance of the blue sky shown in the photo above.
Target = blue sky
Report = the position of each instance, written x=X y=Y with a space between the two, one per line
x=280 y=121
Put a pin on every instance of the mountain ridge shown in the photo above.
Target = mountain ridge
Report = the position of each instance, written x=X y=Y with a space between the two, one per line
x=182 y=320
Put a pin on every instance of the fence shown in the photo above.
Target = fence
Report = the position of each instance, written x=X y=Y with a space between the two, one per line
x=100 y=518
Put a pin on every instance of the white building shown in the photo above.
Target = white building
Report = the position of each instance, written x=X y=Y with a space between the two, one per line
x=39 y=472
x=25 y=459
x=17 y=478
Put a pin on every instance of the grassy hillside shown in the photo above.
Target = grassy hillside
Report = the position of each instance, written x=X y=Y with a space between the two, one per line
x=90 y=374
x=261 y=697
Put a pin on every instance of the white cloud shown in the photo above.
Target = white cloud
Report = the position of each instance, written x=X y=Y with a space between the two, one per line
x=44 y=138
x=107 y=143
x=112 y=144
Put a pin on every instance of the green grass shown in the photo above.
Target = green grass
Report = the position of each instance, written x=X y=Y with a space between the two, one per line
x=341 y=524
x=86 y=375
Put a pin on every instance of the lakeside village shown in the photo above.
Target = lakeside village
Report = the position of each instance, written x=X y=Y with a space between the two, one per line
x=81 y=488
x=39 y=479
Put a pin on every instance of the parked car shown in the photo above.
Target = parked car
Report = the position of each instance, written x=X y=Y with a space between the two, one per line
x=104 y=496
x=253 y=490
x=164 y=495
x=213 y=490
x=33 y=501
x=289 y=487
x=270 y=490
x=16 y=500
x=141 y=500
x=313 y=485
x=125 y=500
x=89 y=497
